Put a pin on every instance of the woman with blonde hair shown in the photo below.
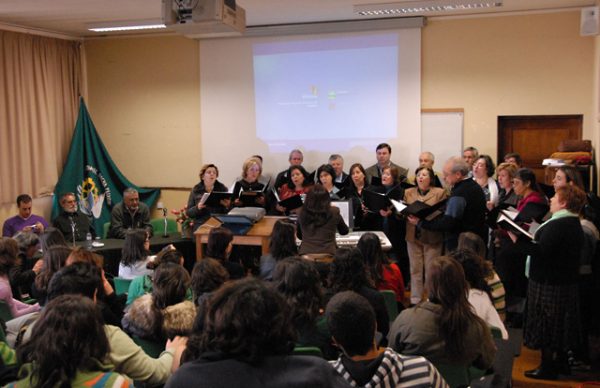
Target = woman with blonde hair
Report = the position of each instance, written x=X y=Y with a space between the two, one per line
x=251 y=173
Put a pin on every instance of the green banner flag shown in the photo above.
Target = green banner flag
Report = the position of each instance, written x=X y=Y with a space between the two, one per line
x=92 y=176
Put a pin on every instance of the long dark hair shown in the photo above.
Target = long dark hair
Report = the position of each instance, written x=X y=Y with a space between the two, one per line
x=169 y=287
x=133 y=247
x=54 y=259
x=283 y=240
x=526 y=175
x=347 y=271
x=245 y=320
x=207 y=276
x=448 y=287
x=218 y=241
x=316 y=210
x=475 y=270
x=69 y=336
x=51 y=237
x=300 y=284
x=370 y=247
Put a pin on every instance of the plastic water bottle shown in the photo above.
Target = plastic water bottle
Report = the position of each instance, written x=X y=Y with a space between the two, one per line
x=88 y=240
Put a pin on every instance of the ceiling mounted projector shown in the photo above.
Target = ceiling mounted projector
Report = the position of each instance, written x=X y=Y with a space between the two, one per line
x=204 y=18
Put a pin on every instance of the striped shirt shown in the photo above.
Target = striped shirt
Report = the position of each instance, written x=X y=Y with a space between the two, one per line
x=396 y=370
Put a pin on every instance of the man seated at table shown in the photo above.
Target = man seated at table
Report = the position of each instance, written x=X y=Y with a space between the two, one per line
x=24 y=221
x=73 y=224
x=129 y=214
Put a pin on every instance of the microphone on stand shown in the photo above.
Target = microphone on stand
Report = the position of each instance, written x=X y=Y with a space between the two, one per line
x=165 y=234
x=72 y=228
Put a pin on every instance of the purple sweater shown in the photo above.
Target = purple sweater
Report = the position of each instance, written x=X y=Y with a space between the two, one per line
x=16 y=224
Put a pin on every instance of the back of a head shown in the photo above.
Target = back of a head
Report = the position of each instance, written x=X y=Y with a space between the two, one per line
x=207 y=276
x=473 y=242
x=474 y=268
x=133 y=247
x=26 y=240
x=447 y=287
x=347 y=270
x=69 y=336
x=299 y=282
x=51 y=237
x=9 y=249
x=370 y=247
x=76 y=279
x=352 y=323
x=283 y=240
x=169 y=285
x=245 y=320
x=458 y=164
x=316 y=208
x=218 y=242
x=54 y=259
x=166 y=255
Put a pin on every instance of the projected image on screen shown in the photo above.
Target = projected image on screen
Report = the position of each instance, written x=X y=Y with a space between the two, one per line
x=313 y=91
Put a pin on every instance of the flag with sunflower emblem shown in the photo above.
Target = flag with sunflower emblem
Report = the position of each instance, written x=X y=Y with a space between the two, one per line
x=92 y=176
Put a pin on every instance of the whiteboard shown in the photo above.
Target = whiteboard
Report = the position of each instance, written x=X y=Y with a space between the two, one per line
x=442 y=134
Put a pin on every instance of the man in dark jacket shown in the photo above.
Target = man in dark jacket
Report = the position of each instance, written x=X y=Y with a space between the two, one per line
x=465 y=210
x=129 y=214
x=73 y=224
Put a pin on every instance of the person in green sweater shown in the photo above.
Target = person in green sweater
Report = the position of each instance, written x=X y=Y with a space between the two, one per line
x=67 y=347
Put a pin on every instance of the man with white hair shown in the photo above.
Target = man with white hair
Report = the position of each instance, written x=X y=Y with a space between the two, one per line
x=129 y=214
x=73 y=224
x=341 y=178
x=427 y=159
x=296 y=158
x=465 y=210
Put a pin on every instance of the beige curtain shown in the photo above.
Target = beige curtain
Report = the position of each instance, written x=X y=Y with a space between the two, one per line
x=40 y=83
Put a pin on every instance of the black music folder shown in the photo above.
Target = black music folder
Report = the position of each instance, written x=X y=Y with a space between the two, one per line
x=532 y=212
x=375 y=201
x=505 y=222
x=249 y=198
x=291 y=203
x=421 y=210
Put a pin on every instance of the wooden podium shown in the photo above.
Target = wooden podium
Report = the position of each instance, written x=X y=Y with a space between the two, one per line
x=258 y=235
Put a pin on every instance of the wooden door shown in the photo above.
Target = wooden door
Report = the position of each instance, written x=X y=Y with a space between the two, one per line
x=535 y=138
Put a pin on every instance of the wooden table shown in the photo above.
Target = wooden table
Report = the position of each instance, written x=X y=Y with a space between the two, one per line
x=258 y=235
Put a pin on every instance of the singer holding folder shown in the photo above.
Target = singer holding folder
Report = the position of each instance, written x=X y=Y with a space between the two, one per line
x=423 y=245
x=249 y=184
x=197 y=209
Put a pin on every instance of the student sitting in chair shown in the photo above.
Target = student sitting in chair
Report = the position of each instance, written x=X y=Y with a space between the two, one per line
x=351 y=321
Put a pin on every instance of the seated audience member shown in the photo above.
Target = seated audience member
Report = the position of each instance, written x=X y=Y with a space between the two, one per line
x=142 y=284
x=483 y=173
x=318 y=222
x=73 y=224
x=422 y=245
x=474 y=243
x=384 y=274
x=444 y=329
x=67 y=347
x=480 y=293
x=300 y=284
x=383 y=153
x=129 y=214
x=25 y=220
x=84 y=278
x=28 y=265
x=8 y=257
x=111 y=305
x=250 y=181
x=219 y=247
x=298 y=184
x=245 y=341
x=351 y=321
x=196 y=209
x=348 y=273
x=135 y=254
x=54 y=259
x=207 y=276
x=281 y=245
x=470 y=155
x=295 y=159
x=50 y=238
x=326 y=178
x=514 y=158
x=164 y=313
x=426 y=160
x=341 y=178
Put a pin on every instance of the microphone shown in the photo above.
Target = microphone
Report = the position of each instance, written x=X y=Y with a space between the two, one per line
x=165 y=234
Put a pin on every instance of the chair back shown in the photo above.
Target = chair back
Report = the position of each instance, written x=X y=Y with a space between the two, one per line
x=105 y=229
x=391 y=304
x=151 y=348
x=308 y=351
x=456 y=376
x=121 y=285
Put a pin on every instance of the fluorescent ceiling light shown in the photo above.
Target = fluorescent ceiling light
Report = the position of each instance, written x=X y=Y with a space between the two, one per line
x=126 y=25
x=419 y=7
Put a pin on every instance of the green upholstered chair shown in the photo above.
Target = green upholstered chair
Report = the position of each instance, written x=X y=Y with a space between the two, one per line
x=121 y=285
x=391 y=304
x=158 y=224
